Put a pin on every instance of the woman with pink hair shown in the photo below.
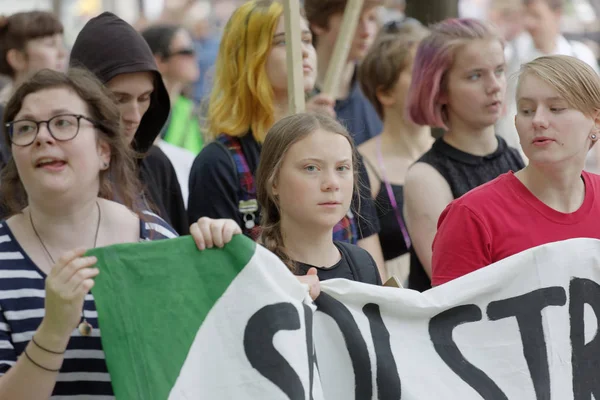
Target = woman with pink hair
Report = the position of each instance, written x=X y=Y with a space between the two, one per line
x=458 y=85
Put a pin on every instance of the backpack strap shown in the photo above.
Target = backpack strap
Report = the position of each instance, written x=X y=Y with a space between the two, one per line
x=346 y=230
x=359 y=261
x=248 y=204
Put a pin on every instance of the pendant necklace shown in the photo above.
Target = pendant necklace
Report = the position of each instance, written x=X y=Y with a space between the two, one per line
x=85 y=328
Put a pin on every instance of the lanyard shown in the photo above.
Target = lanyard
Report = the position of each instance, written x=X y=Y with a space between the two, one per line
x=391 y=196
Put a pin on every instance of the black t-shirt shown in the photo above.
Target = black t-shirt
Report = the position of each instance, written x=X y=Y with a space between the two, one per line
x=393 y=243
x=215 y=186
x=392 y=240
x=355 y=264
x=463 y=172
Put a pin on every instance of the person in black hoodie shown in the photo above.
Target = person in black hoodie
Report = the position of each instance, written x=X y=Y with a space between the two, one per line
x=120 y=57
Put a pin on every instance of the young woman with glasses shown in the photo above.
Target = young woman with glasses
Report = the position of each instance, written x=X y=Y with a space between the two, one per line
x=69 y=158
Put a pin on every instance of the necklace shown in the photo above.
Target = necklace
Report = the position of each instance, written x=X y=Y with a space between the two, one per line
x=85 y=328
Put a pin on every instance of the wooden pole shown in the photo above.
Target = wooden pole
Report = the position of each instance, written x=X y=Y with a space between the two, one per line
x=295 y=72
x=57 y=8
x=342 y=47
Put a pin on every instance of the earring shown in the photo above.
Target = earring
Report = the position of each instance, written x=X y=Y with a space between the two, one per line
x=594 y=137
x=105 y=165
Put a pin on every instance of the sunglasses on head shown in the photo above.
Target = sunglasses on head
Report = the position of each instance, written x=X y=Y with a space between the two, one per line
x=182 y=52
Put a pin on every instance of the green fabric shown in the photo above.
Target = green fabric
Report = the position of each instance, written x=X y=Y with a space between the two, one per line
x=136 y=293
x=184 y=128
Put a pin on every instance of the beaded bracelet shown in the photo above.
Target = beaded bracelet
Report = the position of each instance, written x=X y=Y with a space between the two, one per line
x=38 y=365
x=45 y=349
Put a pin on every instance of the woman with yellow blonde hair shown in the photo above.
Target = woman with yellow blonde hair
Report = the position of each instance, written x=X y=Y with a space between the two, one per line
x=552 y=198
x=249 y=95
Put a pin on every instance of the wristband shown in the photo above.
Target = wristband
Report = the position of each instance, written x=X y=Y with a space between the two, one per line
x=38 y=365
x=45 y=349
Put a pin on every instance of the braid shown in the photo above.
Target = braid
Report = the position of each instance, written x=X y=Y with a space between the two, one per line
x=272 y=239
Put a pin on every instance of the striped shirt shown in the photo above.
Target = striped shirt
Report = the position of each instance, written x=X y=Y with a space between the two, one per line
x=83 y=374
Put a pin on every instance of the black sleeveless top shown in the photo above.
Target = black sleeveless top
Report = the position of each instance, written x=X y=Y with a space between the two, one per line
x=390 y=235
x=463 y=172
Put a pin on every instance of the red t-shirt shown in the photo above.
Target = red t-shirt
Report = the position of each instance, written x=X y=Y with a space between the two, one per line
x=502 y=218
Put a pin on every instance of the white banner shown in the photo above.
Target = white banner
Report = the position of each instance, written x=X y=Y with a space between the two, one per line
x=523 y=328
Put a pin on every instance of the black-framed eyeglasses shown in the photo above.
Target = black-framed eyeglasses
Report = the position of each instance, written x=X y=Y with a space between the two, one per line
x=182 y=52
x=62 y=127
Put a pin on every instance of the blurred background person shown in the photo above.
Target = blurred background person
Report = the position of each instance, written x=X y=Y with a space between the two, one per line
x=477 y=9
x=392 y=10
x=29 y=41
x=180 y=139
x=542 y=21
x=200 y=20
x=508 y=17
x=542 y=35
x=351 y=107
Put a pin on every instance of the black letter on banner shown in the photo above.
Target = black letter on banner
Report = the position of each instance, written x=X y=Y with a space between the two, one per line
x=310 y=346
x=388 y=380
x=355 y=343
x=585 y=358
x=440 y=331
x=258 y=344
x=527 y=309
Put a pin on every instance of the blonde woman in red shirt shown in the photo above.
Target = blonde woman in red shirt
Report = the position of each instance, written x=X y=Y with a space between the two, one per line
x=553 y=198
